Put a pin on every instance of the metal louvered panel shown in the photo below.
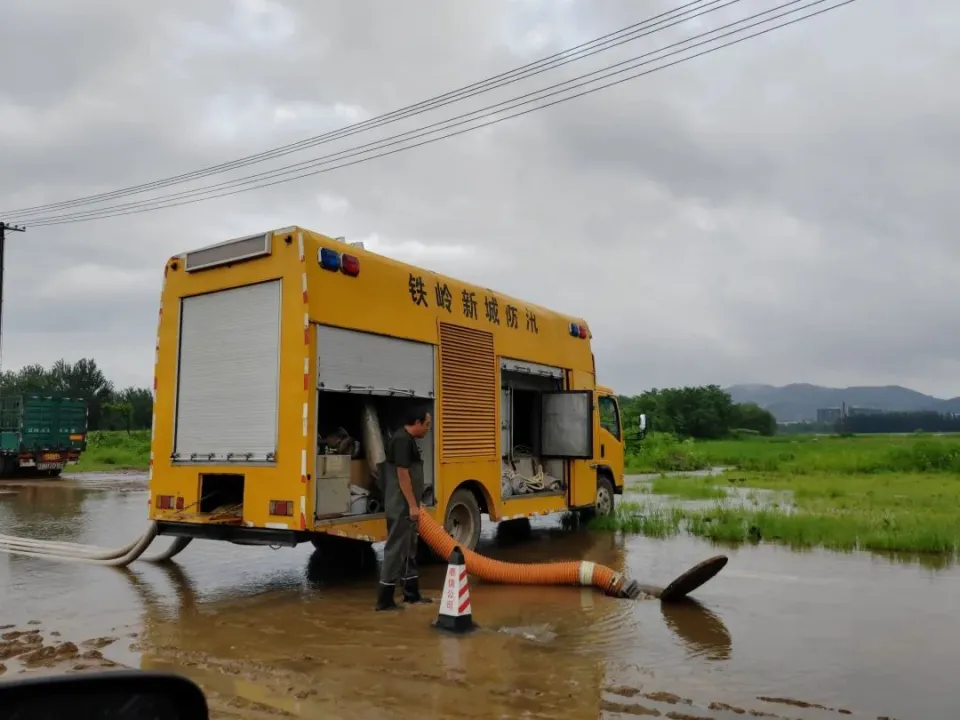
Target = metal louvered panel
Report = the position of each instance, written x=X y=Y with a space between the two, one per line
x=468 y=387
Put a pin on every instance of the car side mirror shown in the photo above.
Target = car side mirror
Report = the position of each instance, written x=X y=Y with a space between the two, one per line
x=123 y=695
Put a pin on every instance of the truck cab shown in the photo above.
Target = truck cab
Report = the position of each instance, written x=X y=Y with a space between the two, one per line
x=609 y=448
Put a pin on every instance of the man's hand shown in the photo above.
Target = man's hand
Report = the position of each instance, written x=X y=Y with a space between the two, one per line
x=414 y=513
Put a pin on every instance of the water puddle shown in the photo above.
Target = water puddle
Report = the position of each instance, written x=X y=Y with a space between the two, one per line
x=287 y=634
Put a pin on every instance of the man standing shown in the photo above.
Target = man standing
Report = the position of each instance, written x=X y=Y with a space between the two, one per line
x=402 y=495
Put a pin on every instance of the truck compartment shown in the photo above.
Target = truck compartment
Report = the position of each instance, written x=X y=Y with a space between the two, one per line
x=525 y=468
x=366 y=382
x=221 y=494
x=352 y=434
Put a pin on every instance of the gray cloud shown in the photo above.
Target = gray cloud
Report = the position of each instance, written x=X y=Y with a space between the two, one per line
x=778 y=211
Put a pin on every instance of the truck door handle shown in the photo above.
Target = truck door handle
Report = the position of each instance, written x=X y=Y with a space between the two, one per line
x=603 y=449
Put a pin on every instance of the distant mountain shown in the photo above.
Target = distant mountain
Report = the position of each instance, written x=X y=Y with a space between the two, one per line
x=800 y=401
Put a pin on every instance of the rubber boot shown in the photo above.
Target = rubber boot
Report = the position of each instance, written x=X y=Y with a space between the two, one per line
x=385 y=599
x=411 y=592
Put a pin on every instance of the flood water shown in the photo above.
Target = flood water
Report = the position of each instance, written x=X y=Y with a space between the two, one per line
x=282 y=633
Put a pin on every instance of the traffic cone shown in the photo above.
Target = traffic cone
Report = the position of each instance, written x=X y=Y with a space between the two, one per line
x=456 y=612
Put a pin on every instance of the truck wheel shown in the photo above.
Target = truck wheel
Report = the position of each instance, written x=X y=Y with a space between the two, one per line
x=462 y=519
x=604 y=502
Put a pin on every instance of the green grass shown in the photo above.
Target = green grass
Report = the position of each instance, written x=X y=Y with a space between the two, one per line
x=880 y=493
x=875 y=530
x=115 y=450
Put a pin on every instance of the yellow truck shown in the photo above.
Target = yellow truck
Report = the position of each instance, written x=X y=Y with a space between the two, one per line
x=285 y=359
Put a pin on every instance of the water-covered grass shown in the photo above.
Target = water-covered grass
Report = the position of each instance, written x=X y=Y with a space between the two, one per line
x=877 y=492
x=688 y=488
x=115 y=450
x=863 y=528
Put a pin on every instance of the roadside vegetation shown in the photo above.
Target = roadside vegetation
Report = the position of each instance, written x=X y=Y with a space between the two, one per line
x=113 y=450
x=874 y=492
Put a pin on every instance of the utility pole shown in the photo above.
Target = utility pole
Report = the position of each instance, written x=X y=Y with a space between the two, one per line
x=4 y=227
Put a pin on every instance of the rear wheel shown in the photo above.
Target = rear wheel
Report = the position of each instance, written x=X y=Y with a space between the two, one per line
x=462 y=519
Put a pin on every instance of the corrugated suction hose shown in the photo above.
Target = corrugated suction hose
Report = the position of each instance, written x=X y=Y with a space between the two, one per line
x=507 y=573
x=77 y=553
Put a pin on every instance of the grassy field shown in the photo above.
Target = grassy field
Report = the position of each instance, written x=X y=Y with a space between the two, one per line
x=116 y=450
x=883 y=493
x=879 y=492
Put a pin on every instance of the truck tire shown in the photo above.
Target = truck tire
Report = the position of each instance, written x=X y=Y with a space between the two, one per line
x=462 y=519
x=603 y=504
x=605 y=494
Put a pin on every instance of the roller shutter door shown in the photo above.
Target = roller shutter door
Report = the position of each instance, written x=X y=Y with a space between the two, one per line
x=361 y=362
x=228 y=375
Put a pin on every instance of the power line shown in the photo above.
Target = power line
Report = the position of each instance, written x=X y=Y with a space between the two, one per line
x=455 y=121
x=564 y=57
x=141 y=206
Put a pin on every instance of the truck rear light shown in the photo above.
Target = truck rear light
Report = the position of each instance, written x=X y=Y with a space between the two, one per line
x=281 y=508
x=179 y=503
x=329 y=259
x=350 y=265
x=165 y=502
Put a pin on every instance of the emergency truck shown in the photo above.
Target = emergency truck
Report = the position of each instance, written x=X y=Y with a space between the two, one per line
x=284 y=360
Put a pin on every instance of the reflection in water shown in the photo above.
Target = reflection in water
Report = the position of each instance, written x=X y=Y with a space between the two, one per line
x=700 y=630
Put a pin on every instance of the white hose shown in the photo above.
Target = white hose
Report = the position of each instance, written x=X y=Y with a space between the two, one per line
x=75 y=552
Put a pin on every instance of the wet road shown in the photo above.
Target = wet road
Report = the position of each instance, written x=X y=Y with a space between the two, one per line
x=282 y=633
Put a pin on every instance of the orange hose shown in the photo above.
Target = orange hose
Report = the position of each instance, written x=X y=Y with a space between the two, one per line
x=507 y=573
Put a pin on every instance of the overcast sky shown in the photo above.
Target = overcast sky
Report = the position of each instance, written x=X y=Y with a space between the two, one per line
x=779 y=211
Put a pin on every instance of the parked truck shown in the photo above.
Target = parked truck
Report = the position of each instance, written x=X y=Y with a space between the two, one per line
x=285 y=359
x=41 y=434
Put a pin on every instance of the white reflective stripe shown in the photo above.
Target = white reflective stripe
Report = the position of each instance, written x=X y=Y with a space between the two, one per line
x=300 y=246
x=305 y=411
x=303 y=463
x=277 y=525
x=586 y=572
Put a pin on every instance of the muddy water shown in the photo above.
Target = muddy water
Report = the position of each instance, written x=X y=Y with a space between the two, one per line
x=284 y=633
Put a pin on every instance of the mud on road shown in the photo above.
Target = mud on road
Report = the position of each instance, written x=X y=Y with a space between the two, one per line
x=288 y=633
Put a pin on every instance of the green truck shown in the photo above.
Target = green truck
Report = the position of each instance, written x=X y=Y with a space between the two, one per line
x=40 y=434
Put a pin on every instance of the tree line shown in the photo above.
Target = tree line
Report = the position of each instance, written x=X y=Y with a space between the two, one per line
x=899 y=422
x=108 y=408
x=704 y=412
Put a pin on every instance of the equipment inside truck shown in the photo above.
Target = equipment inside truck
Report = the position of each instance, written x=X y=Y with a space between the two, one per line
x=366 y=383
x=352 y=434
x=525 y=470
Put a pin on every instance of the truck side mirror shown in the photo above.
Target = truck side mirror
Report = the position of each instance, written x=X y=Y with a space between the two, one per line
x=643 y=422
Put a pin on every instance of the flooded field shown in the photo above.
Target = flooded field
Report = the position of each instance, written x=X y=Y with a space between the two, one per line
x=284 y=633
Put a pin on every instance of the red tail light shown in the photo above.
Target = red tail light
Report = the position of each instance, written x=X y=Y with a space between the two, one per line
x=281 y=508
x=165 y=502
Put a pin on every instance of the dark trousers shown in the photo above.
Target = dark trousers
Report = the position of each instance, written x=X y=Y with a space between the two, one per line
x=400 y=552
